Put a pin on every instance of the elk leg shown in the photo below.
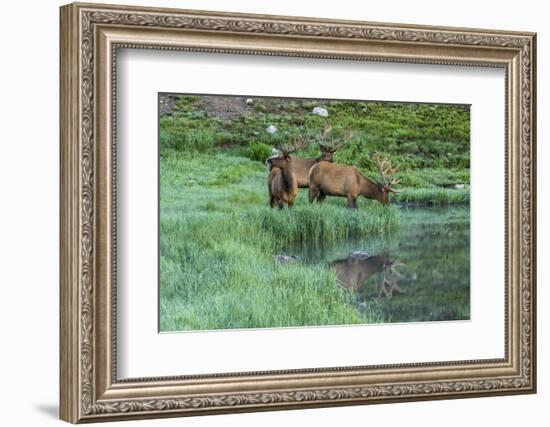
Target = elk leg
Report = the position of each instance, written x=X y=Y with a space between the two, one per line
x=280 y=204
x=321 y=197
x=313 y=193
x=271 y=195
x=352 y=202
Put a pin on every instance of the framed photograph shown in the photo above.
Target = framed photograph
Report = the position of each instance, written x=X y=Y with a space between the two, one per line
x=267 y=212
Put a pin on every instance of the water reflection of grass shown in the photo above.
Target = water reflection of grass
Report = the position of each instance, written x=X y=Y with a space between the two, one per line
x=218 y=239
x=433 y=245
x=436 y=274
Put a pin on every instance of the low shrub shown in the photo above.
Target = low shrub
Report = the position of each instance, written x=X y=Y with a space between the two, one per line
x=259 y=151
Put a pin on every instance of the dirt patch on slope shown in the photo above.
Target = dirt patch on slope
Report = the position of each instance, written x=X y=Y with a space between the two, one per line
x=225 y=107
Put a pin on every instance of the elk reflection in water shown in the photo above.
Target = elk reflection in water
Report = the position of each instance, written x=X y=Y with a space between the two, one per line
x=354 y=271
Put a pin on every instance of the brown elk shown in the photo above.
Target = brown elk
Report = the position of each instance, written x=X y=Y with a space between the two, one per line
x=327 y=147
x=282 y=182
x=353 y=273
x=330 y=179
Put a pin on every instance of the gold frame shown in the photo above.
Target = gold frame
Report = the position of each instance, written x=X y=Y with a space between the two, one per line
x=90 y=36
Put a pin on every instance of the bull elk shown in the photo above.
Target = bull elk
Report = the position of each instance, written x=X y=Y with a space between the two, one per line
x=328 y=147
x=282 y=183
x=330 y=179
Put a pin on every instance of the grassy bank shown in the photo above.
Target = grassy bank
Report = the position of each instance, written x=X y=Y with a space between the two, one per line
x=433 y=196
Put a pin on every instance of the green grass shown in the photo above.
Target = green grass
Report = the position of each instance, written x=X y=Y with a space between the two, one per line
x=433 y=196
x=429 y=143
x=415 y=136
x=218 y=246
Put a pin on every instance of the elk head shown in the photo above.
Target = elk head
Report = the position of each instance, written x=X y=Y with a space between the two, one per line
x=329 y=147
x=387 y=178
x=282 y=161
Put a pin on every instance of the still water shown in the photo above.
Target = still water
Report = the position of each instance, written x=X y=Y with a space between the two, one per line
x=420 y=272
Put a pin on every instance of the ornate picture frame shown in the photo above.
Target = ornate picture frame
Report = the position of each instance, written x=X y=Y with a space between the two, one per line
x=90 y=37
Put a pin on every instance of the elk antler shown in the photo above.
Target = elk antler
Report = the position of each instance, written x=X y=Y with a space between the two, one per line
x=393 y=268
x=297 y=143
x=324 y=135
x=345 y=140
x=388 y=283
x=332 y=145
x=387 y=172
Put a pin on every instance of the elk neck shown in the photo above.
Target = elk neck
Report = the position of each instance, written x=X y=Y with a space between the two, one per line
x=369 y=188
x=289 y=178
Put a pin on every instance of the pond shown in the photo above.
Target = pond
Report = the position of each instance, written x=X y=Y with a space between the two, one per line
x=420 y=272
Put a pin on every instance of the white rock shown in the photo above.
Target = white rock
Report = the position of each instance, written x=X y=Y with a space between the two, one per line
x=249 y=101
x=360 y=255
x=320 y=111
x=271 y=129
x=283 y=259
x=459 y=186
